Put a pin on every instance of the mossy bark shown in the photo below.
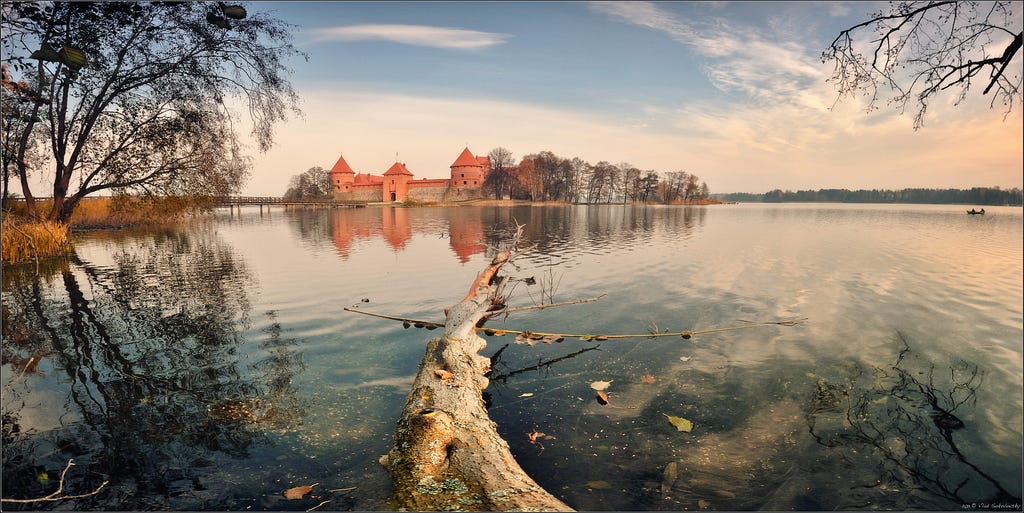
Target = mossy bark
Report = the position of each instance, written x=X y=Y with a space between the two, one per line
x=447 y=453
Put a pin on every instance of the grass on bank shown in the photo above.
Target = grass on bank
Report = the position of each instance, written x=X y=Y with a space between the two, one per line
x=26 y=239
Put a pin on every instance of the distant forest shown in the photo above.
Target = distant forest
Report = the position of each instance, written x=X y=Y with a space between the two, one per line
x=974 y=196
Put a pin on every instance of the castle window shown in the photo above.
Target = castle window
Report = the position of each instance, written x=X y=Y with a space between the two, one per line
x=463 y=175
x=463 y=182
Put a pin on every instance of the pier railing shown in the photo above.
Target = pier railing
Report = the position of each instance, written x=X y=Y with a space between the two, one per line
x=272 y=200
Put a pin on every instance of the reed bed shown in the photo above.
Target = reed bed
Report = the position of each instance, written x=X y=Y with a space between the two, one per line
x=132 y=211
x=25 y=240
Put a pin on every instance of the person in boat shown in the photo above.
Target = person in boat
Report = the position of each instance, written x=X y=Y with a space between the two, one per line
x=973 y=212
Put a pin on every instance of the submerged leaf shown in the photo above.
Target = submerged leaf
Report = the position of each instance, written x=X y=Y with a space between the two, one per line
x=298 y=491
x=669 y=477
x=600 y=385
x=647 y=378
x=680 y=423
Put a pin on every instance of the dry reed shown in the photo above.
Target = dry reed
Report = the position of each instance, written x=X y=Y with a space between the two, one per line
x=131 y=211
x=25 y=240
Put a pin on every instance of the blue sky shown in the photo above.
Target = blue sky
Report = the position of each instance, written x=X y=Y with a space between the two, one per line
x=732 y=92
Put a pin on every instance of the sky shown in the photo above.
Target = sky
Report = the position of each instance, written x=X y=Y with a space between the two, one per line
x=734 y=92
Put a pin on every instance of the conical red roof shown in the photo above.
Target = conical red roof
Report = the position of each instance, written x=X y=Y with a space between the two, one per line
x=341 y=166
x=466 y=159
x=397 y=169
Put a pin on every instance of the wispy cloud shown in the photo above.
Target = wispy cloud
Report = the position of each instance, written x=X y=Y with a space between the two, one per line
x=738 y=59
x=417 y=35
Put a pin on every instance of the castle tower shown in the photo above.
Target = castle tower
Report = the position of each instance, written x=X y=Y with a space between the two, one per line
x=396 y=183
x=468 y=171
x=342 y=176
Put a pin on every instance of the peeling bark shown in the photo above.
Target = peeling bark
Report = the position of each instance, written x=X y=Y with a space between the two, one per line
x=447 y=453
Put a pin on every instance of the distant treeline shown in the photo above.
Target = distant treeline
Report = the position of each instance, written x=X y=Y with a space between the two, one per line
x=974 y=196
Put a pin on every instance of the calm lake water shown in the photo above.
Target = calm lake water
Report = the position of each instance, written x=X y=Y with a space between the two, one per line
x=212 y=367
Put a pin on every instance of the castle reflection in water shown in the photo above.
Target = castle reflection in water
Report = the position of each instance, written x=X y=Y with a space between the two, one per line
x=465 y=233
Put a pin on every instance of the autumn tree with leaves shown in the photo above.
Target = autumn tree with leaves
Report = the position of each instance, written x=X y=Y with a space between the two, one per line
x=312 y=184
x=139 y=97
x=918 y=50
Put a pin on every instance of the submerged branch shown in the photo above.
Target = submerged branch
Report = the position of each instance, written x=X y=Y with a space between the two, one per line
x=56 y=496
x=538 y=335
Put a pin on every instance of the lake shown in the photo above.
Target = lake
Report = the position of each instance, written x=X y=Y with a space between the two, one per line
x=213 y=366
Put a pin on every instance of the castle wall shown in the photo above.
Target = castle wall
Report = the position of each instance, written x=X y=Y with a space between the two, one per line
x=428 y=190
x=367 y=193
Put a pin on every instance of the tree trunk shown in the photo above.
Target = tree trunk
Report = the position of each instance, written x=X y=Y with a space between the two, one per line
x=447 y=453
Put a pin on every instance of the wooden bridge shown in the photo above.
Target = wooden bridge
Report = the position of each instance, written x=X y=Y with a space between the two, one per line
x=231 y=201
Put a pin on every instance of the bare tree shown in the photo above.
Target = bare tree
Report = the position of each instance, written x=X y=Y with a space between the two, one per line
x=137 y=97
x=500 y=178
x=577 y=174
x=648 y=185
x=922 y=48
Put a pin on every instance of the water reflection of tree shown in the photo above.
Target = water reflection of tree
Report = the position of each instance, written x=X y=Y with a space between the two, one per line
x=153 y=379
x=906 y=421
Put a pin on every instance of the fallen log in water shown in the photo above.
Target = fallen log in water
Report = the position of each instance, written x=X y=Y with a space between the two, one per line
x=447 y=453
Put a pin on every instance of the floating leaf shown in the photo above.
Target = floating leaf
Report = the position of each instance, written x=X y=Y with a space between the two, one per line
x=600 y=385
x=235 y=12
x=537 y=435
x=684 y=358
x=298 y=491
x=43 y=478
x=602 y=398
x=405 y=324
x=430 y=326
x=217 y=20
x=598 y=485
x=499 y=333
x=489 y=332
x=680 y=423
x=443 y=374
x=647 y=378
x=600 y=338
x=586 y=338
x=73 y=57
x=686 y=334
x=418 y=324
x=46 y=53
x=522 y=339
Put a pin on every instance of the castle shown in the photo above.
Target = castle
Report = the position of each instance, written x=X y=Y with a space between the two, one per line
x=397 y=183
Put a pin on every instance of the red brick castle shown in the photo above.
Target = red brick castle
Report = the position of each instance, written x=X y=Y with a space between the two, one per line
x=397 y=183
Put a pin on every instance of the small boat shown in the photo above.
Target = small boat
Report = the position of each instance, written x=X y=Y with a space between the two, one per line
x=976 y=212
